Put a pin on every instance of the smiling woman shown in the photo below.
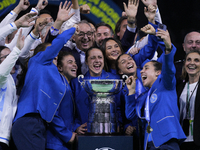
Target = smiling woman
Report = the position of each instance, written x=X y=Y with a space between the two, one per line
x=67 y=65
x=111 y=48
x=95 y=61
x=188 y=95
x=160 y=105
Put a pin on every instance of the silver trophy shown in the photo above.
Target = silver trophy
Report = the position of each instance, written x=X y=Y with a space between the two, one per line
x=102 y=117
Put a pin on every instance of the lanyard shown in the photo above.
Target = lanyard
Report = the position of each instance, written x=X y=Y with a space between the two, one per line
x=188 y=99
x=147 y=113
x=139 y=88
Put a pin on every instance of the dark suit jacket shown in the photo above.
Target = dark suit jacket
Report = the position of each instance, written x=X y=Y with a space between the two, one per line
x=196 y=125
x=127 y=40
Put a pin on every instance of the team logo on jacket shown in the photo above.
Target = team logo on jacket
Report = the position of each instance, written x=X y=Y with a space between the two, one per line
x=153 y=98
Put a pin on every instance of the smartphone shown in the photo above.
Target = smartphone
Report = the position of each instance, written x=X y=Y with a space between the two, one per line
x=163 y=27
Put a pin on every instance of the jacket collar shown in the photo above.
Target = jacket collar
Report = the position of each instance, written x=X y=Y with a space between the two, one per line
x=104 y=75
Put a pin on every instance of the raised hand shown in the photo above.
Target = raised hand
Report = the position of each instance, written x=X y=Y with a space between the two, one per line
x=84 y=9
x=23 y=5
x=131 y=10
x=148 y=29
x=150 y=13
x=41 y=4
x=20 y=40
x=133 y=50
x=39 y=25
x=131 y=84
x=26 y=20
x=148 y=2
x=164 y=35
x=63 y=12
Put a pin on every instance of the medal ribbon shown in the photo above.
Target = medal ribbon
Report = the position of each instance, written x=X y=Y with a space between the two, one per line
x=139 y=88
x=147 y=113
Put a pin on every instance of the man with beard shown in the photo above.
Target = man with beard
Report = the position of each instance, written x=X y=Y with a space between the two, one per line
x=103 y=31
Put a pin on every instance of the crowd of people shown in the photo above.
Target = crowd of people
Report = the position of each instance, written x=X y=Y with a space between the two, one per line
x=42 y=104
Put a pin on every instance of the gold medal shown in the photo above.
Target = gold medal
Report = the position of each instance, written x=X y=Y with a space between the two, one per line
x=149 y=129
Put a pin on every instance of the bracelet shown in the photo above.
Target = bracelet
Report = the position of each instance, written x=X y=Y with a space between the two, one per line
x=168 y=49
x=131 y=22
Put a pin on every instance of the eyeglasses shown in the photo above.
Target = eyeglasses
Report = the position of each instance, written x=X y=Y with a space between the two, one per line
x=82 y=34
x=4 y=56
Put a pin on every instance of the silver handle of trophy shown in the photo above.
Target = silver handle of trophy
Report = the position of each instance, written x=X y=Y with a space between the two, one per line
x=80 y=76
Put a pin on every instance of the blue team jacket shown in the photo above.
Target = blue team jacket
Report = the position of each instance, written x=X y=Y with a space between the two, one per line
x=66 y=113
x=45 y=88
x=164 y=113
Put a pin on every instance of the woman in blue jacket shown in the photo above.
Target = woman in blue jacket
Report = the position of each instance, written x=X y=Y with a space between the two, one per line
x=44 y=90
x=66 y=112
x=131 y=66
x=161 y=115
x=95 y=61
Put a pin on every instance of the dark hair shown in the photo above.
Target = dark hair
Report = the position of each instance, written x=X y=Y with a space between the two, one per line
x=103 y=49
x=104 y=24
x=157 y=65
x=87 y=55
x=118 y=25
x=1 y=48
x=44 y=11
x=61 y=55
x=184 y=74
x=88 y=50
x=40 y=47
x=117 y=62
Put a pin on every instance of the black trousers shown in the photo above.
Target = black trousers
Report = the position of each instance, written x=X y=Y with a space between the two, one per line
x=3 y=146
x=169 y=145
x=189 y=146
x=29 y=132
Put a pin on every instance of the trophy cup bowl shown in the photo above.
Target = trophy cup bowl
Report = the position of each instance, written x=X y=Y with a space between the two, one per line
x=101 y=87
x=102 y=117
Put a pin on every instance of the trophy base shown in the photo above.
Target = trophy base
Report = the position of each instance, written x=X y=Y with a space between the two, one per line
x=100 y=134
x=101 y=128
